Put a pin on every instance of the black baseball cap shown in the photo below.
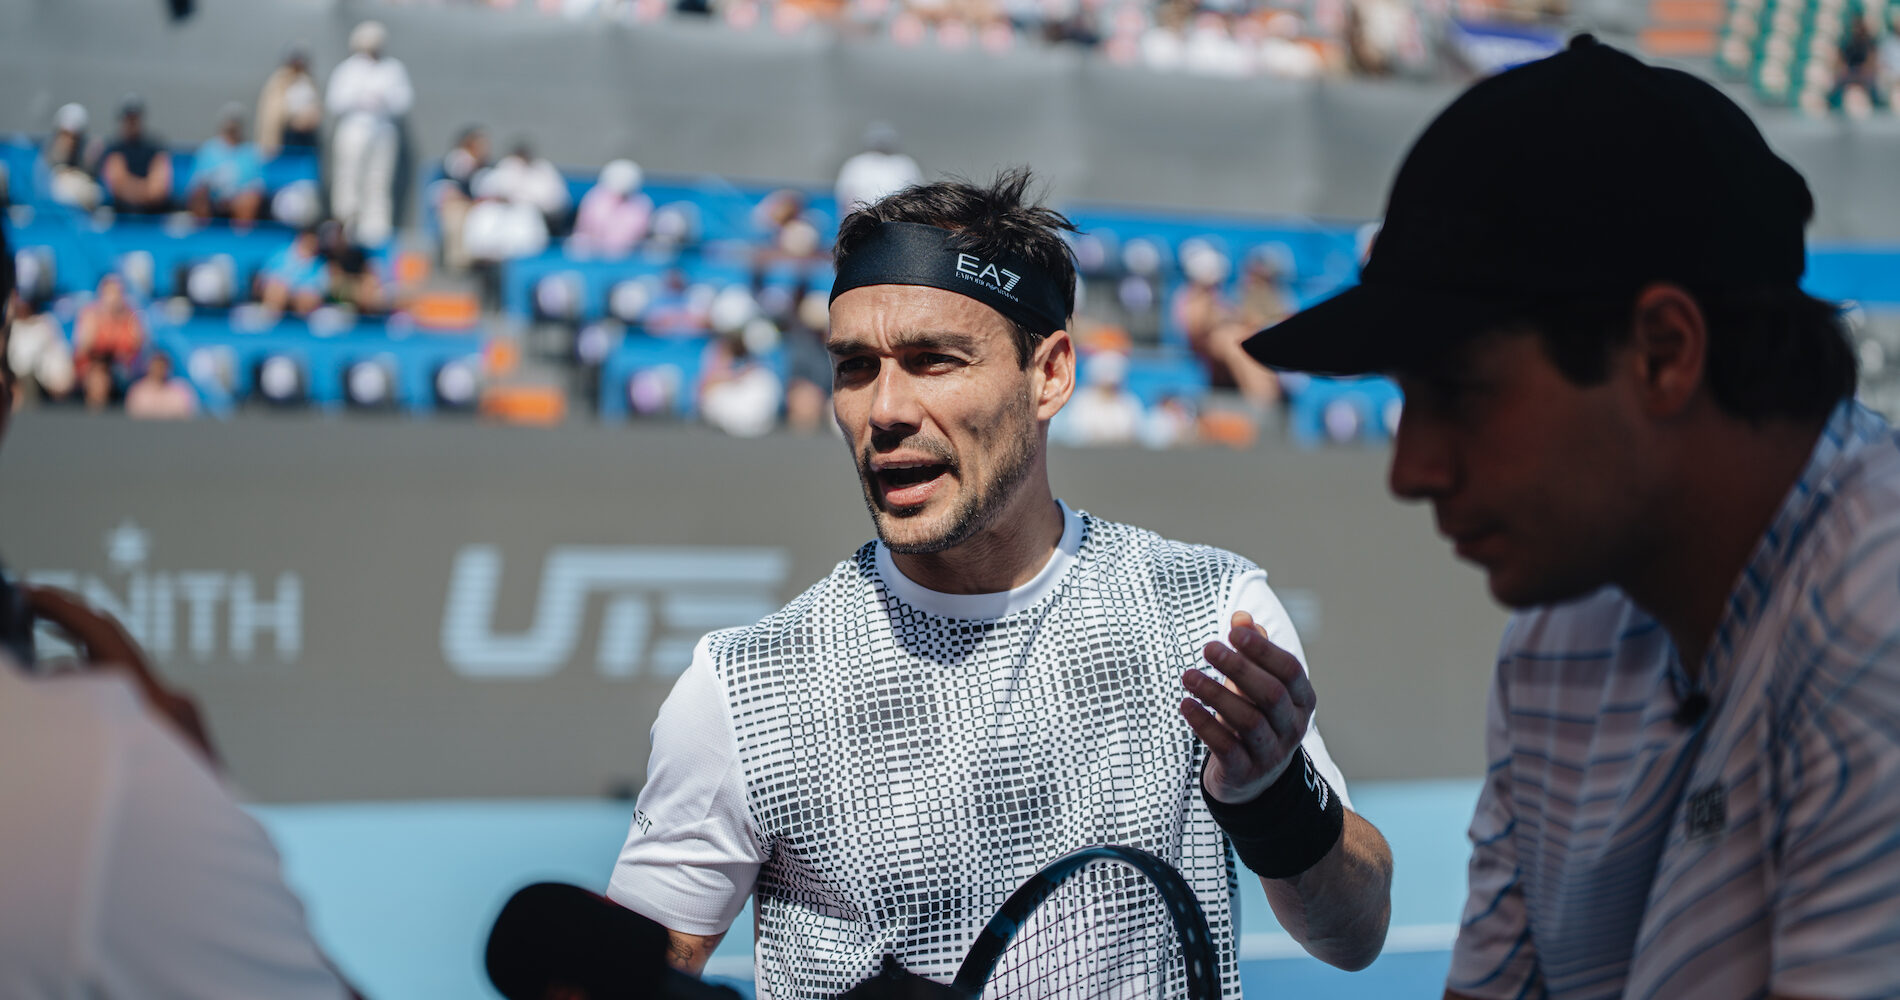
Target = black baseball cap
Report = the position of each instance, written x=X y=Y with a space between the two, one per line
x=1587 y=173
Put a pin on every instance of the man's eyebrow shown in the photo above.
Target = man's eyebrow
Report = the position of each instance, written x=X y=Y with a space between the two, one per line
x=909 y=340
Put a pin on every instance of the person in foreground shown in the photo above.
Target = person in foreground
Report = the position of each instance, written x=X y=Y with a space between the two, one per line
x=1623 y=408
x=995 y=681
x=130 y=870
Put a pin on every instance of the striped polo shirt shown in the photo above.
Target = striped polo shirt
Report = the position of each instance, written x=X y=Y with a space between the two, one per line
x=1622 y=848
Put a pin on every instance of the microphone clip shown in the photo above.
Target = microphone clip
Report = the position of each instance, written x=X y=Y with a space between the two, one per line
x=1692 y=708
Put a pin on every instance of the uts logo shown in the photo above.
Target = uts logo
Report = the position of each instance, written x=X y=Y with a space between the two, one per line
x=999 y=279
x=655 y=604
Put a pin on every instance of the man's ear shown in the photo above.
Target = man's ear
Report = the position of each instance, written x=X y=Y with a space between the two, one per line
x=1053 y=369
x=1669 y=347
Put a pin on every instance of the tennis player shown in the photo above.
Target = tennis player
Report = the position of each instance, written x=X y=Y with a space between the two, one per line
x=1623 y=407
x=994 y=682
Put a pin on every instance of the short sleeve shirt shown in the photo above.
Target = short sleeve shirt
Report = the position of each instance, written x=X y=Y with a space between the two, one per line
x=885 y=763
x=1626 y=848
x=138 y=154
x=129 y=869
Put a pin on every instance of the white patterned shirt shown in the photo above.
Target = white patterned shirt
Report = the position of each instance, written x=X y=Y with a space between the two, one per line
x=879 y=765
x=1621 y=853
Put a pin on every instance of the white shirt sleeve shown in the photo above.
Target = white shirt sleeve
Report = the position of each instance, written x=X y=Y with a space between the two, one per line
x=188 y=898
x=1252 y=595
x=398 y=95
x=692 y=854
x=346 y=83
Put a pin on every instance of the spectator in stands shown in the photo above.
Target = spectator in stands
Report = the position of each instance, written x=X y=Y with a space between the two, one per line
x=227 y=177
x=159 y=395
x=1888 y=55
x=498 y=229
x=1102 y=411
x=808 y=363
x=613 y=216
x=136 y=170
x=1857 y=72
x=738 y=393
x=881 y=169
x=788 y=228
x=523 y=178
x=290 y=108
x=109 y=339
x=296 y=278
x=1264 y=298
x=676 y=310
x=37 y=355
x=454 y=192
x=349 y=273
x=1210 y=324
x=1171 y=424
x=369 y=93
x=71 y=159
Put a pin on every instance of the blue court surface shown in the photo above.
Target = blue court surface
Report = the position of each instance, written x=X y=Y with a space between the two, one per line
x=402 y=894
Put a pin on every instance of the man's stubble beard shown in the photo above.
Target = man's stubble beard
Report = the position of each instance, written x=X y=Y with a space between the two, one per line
x=973 y=511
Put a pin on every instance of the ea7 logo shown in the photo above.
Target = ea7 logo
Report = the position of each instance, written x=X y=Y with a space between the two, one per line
x=656 y=603
x=983 y=270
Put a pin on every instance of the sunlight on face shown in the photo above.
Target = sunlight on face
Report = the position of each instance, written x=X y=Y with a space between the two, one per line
x=937 y=409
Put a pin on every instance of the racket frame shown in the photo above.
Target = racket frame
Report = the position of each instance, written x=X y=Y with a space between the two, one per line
x=1201 y=965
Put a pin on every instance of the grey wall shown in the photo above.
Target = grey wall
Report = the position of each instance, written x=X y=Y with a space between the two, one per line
x=301 y=576
x=690 y=97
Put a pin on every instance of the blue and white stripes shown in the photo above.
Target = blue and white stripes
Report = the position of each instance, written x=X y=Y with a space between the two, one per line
x=1593 y=876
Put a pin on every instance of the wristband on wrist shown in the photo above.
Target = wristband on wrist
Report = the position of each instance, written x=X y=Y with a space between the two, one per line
x=1289 y=827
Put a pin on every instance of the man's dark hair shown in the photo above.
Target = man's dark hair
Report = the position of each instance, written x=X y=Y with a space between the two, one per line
x=1773 y=352
x=987 y=221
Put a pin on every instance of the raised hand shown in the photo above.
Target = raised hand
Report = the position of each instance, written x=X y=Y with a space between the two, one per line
x=1259 y=715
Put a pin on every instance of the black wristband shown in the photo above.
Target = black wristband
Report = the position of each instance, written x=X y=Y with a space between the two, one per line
x=1289 y=827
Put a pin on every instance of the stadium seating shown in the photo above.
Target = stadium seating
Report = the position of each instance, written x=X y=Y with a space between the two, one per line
x=1787 y=50
x=724 y=246
x=225 y=364
x=20 y=156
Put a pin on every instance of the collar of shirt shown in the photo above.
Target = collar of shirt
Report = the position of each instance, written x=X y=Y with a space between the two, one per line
x=1850 y=427
x=986 y=607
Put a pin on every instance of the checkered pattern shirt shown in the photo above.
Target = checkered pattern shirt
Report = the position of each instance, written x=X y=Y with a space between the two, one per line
x=881 y=765
x=1620 y=853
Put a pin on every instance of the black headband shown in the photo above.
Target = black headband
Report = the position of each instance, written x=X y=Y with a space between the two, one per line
x=906 y=253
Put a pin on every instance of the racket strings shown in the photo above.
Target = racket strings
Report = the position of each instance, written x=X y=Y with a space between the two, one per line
x=1105 y=933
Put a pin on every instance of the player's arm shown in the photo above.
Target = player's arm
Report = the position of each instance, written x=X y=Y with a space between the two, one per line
x=691 y=855
x=1327 y=872
x=1339 y=908
x=689 y=952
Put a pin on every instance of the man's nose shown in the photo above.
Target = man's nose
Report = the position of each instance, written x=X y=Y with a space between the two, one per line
x=894 y=402
x=1423 y=464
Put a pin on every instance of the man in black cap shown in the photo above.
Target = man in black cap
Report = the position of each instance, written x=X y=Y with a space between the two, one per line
x=1624 y=409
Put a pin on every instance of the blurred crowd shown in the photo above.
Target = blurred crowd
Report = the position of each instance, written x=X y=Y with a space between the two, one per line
x=1824 y=57
x=1866 y=69
x=726 y=328
x=132 y=171
x=331 y=260
x=1296 y=39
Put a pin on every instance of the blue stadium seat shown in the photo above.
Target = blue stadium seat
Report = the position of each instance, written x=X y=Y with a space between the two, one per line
x=324 y=360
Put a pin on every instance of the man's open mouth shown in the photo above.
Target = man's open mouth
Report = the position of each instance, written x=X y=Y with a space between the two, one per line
x=910 y=485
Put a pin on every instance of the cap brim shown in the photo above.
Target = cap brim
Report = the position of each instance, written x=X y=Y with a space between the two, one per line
x=1373 y=329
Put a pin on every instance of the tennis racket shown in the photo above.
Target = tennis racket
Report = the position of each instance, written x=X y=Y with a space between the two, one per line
x=1104 y=923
